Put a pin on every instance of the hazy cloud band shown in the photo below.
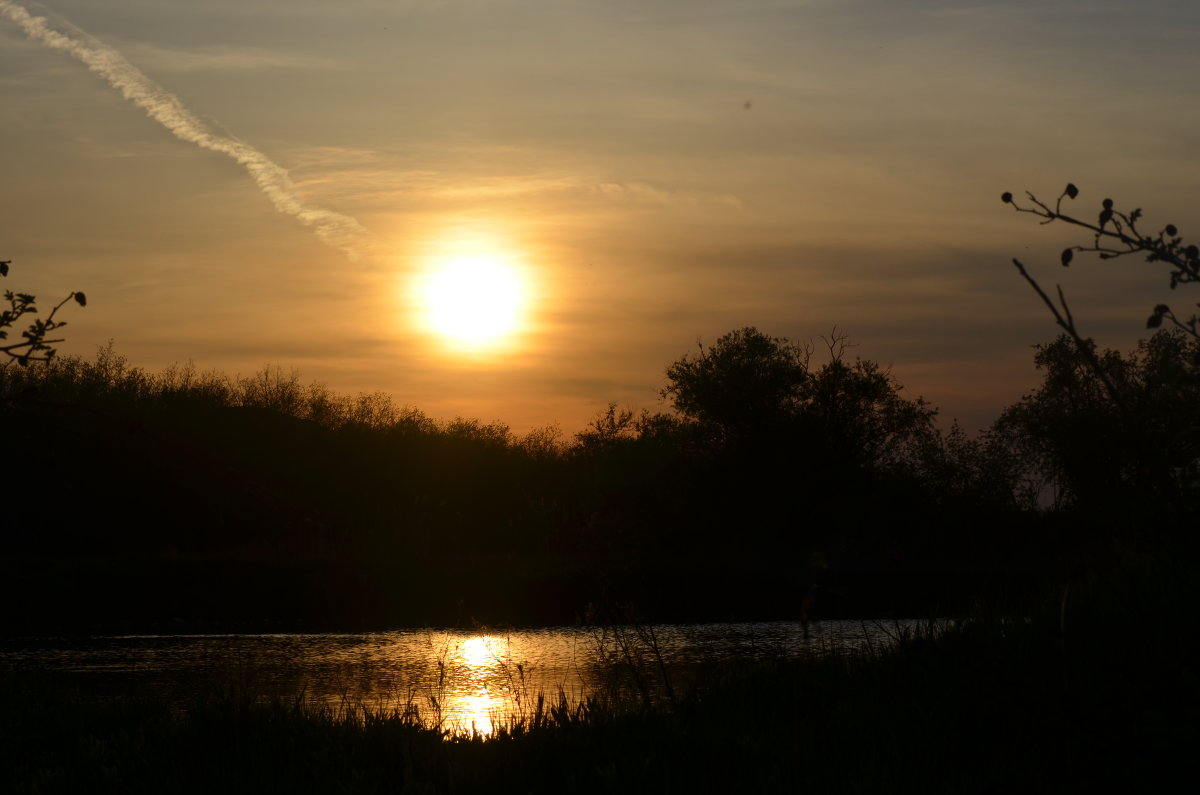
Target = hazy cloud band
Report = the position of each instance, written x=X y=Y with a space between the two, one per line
x=164 y=107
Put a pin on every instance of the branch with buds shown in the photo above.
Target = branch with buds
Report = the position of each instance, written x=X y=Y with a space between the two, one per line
x=34 y=345
x=1116 y=234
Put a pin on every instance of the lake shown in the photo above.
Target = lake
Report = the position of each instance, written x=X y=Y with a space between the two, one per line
x=468 y=681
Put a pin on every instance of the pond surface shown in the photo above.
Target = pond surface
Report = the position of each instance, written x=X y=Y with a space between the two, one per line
x=461 y=680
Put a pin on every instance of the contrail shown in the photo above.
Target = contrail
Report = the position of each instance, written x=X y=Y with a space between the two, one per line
x=165 y=108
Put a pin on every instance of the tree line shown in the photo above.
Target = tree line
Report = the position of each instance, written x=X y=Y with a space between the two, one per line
x=263 y=501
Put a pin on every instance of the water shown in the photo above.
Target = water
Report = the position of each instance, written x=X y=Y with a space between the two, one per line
x=461 y=680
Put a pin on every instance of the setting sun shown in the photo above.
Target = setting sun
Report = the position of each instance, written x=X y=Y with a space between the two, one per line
x=472 y=301
x=555 y=397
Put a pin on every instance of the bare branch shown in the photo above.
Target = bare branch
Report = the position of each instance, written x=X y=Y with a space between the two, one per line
x=1066 y=321
x=1116 y=234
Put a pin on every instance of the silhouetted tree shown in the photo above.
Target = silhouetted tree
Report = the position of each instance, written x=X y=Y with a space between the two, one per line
x=1115 y=234
x=34 y=345
x=797 y=457
x=1099 y=442
x=985 y=473
x=745 y=384
x=857 y=411
x=611 y=426
x=754 y=387
x=1103 y=455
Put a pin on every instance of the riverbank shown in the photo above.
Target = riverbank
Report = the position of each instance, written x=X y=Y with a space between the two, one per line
x=989 y=706
x=1072 y=667
x=109 y=596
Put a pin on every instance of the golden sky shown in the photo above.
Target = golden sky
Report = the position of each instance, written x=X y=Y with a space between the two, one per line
x=241 y=183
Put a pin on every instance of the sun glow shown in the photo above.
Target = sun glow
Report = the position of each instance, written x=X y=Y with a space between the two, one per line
x=473 y=302
x=483 y=695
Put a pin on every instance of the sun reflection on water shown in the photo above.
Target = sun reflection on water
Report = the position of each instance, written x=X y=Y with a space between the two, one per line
x=475 y=653
x=456 y=681
x=484 y=686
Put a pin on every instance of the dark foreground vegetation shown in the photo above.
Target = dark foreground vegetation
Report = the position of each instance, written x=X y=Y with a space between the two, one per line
x=195 y=501
x=1095 y=697
x=184 y=502
x=1063 y=537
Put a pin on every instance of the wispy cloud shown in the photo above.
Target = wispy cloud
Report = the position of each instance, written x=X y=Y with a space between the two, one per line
x=332 y=228
x=372 y=182
x=224 y=59
x=642 y=193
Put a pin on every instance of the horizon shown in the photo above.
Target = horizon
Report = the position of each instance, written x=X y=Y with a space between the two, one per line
x=654 y=175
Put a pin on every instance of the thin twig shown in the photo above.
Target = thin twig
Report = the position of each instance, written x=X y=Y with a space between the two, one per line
x=1085 y=346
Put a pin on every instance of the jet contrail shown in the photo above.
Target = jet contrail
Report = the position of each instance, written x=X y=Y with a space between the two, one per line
x=165 y=108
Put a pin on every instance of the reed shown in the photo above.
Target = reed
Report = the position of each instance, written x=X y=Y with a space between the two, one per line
x=975 y=707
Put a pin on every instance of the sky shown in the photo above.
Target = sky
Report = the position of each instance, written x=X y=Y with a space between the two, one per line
x=240 y=184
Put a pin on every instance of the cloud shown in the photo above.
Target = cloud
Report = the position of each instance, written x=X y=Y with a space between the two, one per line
x=642 y=193
x=222 y=58
x=164 y=107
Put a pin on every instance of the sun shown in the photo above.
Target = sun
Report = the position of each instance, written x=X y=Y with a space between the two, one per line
x=472 y=302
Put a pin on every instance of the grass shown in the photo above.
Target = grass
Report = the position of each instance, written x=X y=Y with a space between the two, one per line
x=1093 y=686
x=987 y=706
